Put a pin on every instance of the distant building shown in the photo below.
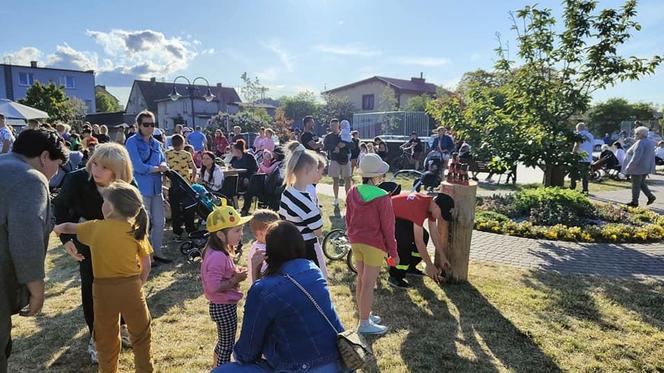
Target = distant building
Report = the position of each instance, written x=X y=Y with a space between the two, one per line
x=365 y=95
x=154 y=96
x=15 y=81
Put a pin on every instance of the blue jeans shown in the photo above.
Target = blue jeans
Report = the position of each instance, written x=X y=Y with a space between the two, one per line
x=262 y=367
x=155 y=208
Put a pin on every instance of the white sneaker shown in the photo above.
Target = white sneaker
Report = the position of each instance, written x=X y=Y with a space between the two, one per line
x=372 y=328
x=92 y=351
x=375 y=318
x=335 y=202
x=124 y=336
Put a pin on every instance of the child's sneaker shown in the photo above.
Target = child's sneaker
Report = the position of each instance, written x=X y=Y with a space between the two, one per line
x=375 y=318
x=398 y=282
x=92 y=351
x=413 y=271
x=371 y=328
x=124 y=336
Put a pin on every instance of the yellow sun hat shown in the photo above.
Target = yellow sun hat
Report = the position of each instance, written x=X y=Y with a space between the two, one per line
x=223 y=217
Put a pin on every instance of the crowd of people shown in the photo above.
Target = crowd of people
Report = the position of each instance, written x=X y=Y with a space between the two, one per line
x=109 y=213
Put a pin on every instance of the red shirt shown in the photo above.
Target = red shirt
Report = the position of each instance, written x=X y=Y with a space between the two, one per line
x=413 y=207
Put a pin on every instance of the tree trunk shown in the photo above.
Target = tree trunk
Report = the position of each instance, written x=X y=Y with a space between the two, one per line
x=460 y=228
x=554 y=175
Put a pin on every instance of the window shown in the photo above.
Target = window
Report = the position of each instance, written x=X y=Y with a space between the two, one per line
x=367 y=102
x=26 y=79
x=69 y=82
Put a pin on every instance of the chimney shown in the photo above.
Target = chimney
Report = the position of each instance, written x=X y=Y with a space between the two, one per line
x=419 y=80
x=153 y=79
x=33 y=63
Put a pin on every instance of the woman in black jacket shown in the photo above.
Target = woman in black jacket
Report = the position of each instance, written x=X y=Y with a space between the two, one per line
x=80 y=199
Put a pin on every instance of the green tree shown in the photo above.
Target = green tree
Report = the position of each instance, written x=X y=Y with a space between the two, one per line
x=106 y=103
x=339 y=107
x=50 y=98
x=559 y=72
x=605 y=117
x=418 y=103
x=297 y=107
x=252 y=90
x=388 y=100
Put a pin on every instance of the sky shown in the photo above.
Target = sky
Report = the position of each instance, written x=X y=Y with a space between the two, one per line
x=290 y=45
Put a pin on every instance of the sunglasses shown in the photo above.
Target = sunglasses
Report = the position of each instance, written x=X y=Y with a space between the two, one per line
x=148 y=124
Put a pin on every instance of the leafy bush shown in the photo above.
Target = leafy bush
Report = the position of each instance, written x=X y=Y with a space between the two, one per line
x=490 y=215
x=553 y=198
x=503 y=204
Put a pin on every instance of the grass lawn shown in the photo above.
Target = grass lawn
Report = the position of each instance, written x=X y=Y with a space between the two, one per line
x=503 y=319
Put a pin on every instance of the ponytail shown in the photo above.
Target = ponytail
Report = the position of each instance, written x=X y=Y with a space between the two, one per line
x=298 y=157
x=140 y=227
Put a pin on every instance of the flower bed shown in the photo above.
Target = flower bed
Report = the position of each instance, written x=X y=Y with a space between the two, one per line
x=567 y=215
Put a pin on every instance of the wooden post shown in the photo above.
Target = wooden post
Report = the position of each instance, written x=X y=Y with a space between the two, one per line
x=460 y=228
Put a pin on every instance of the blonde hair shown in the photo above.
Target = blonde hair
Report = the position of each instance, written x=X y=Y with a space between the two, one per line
x=128 y=203
x=370 y=147
x=103 y=129
x=297 y=159
x=261 y=219
x=114 y=157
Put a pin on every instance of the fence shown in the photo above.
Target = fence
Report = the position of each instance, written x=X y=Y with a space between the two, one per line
x=399 y=123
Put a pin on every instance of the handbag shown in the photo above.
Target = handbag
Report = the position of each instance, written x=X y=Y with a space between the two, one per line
x=353 y=348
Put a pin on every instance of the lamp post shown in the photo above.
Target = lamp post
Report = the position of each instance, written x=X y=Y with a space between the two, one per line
x=191 y=88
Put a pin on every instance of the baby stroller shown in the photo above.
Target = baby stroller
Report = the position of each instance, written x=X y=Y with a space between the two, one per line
x=607 y=165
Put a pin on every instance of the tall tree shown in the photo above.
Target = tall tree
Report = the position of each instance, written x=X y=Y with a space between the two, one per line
x=605 y=117
x=297 y=107
x=106 y=103
x=252 y=90
x=50 y=98
x=339 y=107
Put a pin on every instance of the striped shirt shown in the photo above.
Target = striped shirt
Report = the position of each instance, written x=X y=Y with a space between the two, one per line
x=298 y=208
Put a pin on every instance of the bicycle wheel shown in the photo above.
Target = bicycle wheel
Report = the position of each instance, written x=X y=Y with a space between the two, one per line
x=335 y=244
x=186 y=247
x=350 y=263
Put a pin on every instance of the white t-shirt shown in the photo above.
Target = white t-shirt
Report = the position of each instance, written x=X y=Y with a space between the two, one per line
x=217 y=178
x=620 y=154
x=6 y=135
x=587 y=146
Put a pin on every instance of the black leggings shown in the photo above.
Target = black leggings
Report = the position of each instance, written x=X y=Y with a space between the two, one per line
x=87 y=278
x=409 y=257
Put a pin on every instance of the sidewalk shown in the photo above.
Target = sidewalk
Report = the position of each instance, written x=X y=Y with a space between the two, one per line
x=656 y=185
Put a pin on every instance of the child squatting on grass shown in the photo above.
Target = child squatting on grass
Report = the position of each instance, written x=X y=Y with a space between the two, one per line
x=260 y=220
x=121 y=264
x=370 y=225
x=297 y=205
x=221 y=279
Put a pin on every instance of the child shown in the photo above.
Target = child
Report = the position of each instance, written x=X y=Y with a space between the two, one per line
x=297 y=205
x=121 y=263
x=345 y=132
x=311 y=188
x=268 y=164
x=363 y=151
x=370 y=225
x=180 y=161
x=259 y=223
x=220 y=278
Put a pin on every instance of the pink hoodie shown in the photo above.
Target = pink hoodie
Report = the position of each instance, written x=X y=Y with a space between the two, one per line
x=370 y=218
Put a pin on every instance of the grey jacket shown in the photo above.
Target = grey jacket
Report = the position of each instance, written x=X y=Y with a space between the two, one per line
x=25 y=225
x=640 y=158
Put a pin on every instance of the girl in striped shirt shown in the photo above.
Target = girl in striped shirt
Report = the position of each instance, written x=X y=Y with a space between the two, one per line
x=297 y=205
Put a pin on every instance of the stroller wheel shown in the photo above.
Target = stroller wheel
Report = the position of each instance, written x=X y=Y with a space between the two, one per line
x=194 y=255
x=597 y=176
x=186 y=247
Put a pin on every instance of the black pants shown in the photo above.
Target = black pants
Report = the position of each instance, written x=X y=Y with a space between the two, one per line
x=582 y=173
x=310 y=251
x=409 y=257
x=180 y=215
x=87 y=278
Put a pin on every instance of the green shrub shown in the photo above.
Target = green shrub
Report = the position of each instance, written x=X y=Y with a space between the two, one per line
x=553 y=198
x=490 y=215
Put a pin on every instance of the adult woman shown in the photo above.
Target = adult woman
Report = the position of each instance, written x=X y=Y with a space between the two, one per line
x=381 y=148
x=211 y=176
x=242 y=159
x=149 y=163
x=639 y=163
x=220 y=143
x=282 y=329
x=80 y=198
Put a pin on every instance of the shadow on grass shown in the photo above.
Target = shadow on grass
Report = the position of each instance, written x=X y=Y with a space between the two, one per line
x=615 y=272
x=185 y=285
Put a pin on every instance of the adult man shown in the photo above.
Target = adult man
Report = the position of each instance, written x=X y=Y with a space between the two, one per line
x=237 y=134
x=6 y=136
x=410 y=211
x=25 y=224
x=197 y=139
x=338 y=154
x=308 y=138
x=583 y=147
x=414 y=144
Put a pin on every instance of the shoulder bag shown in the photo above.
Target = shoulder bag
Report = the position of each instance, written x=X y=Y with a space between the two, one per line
x=353 y=348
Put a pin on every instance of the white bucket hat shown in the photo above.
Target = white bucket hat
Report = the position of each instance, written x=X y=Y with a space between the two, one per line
x=372 y=165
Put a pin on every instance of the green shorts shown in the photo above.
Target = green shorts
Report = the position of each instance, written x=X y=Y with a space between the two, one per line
x=369 y=255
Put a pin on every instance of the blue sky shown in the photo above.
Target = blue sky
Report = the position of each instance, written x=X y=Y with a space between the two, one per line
x=290 y=45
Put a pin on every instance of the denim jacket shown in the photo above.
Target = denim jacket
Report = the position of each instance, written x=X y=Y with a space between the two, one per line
x=145 y=156
x=282 y=324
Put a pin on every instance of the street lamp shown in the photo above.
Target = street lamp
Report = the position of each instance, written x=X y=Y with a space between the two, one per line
x=191 y=88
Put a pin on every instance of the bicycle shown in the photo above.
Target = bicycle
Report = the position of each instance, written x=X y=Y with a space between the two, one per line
x=336 y=246
x=401 y=162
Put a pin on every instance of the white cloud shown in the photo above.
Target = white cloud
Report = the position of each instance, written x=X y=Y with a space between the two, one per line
x=208 y=51
x=23 y=56
x=269 y=74
x=423 y=61
x=285 y=57
x=67 y=57
x=348 y=50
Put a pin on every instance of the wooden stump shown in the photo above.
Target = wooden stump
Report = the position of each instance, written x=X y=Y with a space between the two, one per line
x=460 y=228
